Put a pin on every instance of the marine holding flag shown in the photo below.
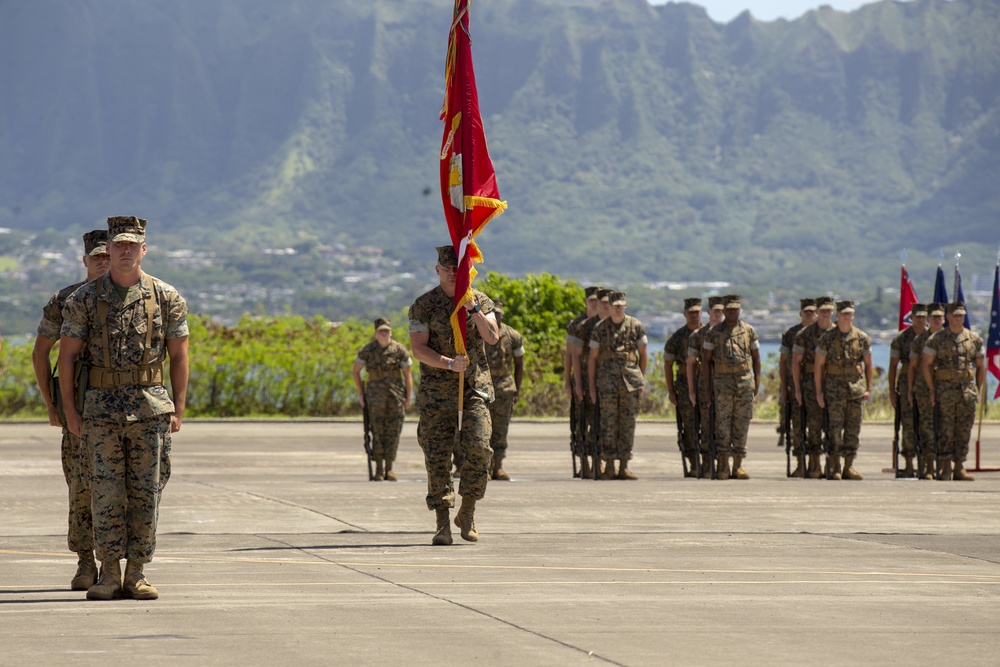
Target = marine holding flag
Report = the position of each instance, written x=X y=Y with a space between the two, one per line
x=455 y=379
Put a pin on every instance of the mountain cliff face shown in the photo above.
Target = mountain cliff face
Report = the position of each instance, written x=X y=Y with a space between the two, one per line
x=631 y=141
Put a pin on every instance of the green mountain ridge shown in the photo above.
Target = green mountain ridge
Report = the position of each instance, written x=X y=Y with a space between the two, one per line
x=632 y=142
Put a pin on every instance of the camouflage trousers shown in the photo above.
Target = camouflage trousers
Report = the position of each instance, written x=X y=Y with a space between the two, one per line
x=386 y=413
x=734 y=395
x=813 y=414
x=687 y=415
x=905 y=415
x=795 y=421
x=703 y=413
x=126 y=485
x=76 y=470
x=436 y=434
x=844 y=401
x=619 y=408
x=501 y=410
x=957 y=415
x=925 y=417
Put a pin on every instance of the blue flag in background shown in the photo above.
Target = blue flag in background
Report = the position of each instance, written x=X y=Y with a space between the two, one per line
x=940 y=291
x=959 y=296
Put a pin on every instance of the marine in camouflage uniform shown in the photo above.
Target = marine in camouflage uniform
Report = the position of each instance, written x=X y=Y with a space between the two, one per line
x=390 y=383
x=433 y=344
x=807 y=315
x=675 y=352
x=954 y=368
x=803 y=376
x=125 y=324
x=697 y=387
x=843 y=383
x=599 y=305
x=577 y=355
x=731 y=359
x=920 y=395
x=506 y=360
x=75 y=457
x=899 y=381
x=615 y=372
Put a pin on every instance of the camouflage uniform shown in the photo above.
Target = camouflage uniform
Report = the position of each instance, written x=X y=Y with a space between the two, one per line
x=618 y=382
x=695 y=342
x=795 y=418
x=501 y=361
x=954 y=365
x=844 y=385
x=126 y=416
x=675 y=350
x=437 y=400
x=385 y=394
x=732 y=384
x=899 y=351
x=922 y=398
x=590 y=435
x=573 y=338
x=805 y=344
x=75 y=457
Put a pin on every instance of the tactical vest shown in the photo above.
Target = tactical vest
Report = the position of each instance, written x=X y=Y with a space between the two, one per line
x=146 y=374
x=954 y=358
x=844 y=357
x=734 y=350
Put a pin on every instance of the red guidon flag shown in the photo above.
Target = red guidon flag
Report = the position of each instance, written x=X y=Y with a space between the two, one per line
x=468 y=183
x=907 y=297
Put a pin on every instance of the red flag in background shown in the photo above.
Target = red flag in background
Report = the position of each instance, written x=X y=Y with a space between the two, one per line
x=468 y=183
x=993 y=336
x=907 y=297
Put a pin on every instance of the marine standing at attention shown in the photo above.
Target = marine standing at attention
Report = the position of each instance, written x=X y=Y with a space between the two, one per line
x=433 y=344
x=616 y=373
x=732 y=361
x=129 y=322
x=506 y=360
x=75 y=456
x=387 y=396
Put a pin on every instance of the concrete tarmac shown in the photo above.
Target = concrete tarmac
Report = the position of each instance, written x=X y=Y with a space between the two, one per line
x=273 y=548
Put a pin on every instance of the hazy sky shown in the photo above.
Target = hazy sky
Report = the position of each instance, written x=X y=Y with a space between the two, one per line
x=724 y=11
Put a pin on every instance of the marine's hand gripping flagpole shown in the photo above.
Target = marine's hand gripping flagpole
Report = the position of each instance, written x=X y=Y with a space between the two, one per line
x=468 y=183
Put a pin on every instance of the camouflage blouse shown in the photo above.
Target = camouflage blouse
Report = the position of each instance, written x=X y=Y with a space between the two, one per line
x=383 y=366
x=431 y=314
x=127 y=326
x=52 y=317
x=618 y=348
x=501 y=359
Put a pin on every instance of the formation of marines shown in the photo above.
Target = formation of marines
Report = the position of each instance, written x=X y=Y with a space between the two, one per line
x=117 y=328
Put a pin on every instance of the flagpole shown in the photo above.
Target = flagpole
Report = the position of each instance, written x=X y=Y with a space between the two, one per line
x=954 y=286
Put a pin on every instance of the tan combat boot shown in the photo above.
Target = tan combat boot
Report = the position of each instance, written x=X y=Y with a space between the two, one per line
x=136 y=587
x=798 y=472
x=961 y=474
x=849 y=471
x=944 y=471
x=466 y=520
x=738 y=471
x=908 y=469
x=109 y=582
x=928 y=467
x=815 y=468
x=609 y=470
x=723 y=467
x=379 y=472
x=624 y=472
x=443 y=535
x=86 y=572
x=498 y=472
x=585 y=471
x=833 y=467
x=390 y=476
x=706 y=466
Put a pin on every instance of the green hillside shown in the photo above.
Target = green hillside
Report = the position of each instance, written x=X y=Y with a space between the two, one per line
x=632 y=142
